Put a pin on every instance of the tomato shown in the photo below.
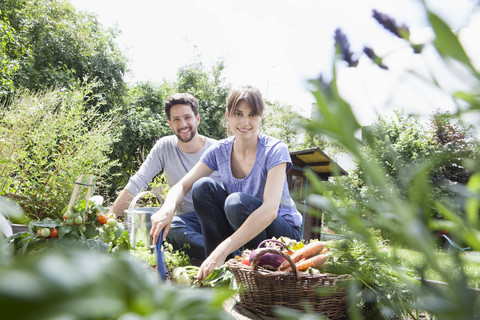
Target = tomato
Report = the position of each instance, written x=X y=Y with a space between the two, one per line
x=245 y=261
x=67 y=215
x=54 y=233
x=44 y=232
x=78 y=220
x=102 y=219
x=112 y=222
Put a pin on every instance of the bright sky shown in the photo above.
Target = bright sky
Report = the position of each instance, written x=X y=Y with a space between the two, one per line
x=277 y=45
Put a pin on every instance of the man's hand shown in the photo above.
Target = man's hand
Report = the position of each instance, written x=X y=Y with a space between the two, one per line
x=161 y=220
x=121 y=203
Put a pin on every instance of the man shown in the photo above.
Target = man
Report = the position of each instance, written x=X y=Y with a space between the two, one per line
x=175 y=155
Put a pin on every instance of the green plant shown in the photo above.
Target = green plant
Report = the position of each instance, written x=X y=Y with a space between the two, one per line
x=405 y=209
x=51 y=45
x=75 y=283
x=401 y=142
x=174 y=258
x=144 y=254
x=211 y=90
x=80 y=226
x=47 y=140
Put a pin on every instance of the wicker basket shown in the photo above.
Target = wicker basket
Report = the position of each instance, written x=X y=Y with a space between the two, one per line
x=263 y=289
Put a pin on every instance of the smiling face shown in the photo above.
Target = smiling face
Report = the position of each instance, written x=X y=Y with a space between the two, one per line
x=244 y=111
x=183 y=122
x=244 y=123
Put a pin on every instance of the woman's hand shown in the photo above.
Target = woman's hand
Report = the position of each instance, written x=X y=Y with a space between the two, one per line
x=214 y=260
x=161 y=220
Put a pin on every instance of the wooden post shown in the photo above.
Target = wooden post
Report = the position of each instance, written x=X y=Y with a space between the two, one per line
x=89 y=191
x=75 y=192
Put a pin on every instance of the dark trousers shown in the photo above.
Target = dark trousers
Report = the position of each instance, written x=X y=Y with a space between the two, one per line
x=221 y=214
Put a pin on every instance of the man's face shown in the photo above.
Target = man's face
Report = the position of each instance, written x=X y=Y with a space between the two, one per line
x=183 y=122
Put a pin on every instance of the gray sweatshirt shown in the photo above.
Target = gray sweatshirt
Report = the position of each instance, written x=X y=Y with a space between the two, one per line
x=167 y=156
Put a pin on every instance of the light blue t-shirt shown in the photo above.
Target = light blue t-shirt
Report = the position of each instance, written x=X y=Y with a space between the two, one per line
x=270 y=152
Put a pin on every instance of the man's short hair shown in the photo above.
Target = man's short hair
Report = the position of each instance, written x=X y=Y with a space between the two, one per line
x=181 y=98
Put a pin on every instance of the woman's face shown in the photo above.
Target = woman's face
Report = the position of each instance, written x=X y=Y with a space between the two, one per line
x=244 y=123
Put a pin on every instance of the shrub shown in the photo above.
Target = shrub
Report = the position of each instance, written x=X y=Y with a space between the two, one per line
x=47 y=140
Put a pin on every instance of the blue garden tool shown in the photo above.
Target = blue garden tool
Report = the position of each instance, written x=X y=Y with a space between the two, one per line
x=160 y=257
x=138 y=225
x=453 y=244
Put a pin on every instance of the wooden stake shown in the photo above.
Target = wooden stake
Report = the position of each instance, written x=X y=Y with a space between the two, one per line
x=75 y=192
x=89 y=190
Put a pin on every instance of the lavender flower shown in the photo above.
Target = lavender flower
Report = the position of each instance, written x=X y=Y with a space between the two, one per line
x=373 y=56
x=391 y=25
x=342 y=44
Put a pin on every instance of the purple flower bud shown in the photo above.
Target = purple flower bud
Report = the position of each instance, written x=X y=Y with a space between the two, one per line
x=373 y=56
x=342 y=45
x=391 y=25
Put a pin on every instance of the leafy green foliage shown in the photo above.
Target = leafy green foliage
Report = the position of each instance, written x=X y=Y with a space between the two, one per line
x=7 y=66
x=142 y=122
x=79 y=227
x=84 y=284
x=378 y=284
x=402 y=143
x=282 y=122
x=144 y=254
x=221 y=277
x=47 y=44
x=211 y=91
x=46 y=141
x=174 y=258
x=404 y=207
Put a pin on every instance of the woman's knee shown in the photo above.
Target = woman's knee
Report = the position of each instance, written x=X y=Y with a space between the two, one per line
x=201 y=186
x=238 y=206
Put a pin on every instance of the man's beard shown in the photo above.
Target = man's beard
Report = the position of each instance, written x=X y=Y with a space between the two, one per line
x=189 y=138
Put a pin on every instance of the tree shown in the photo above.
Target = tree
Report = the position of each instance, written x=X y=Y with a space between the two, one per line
x=7 y=66
x=398 y=142
x=454 y=144
x=211 y=90
x=49 y=44
x=402 y=142
x=143 y=122
x=282 y=122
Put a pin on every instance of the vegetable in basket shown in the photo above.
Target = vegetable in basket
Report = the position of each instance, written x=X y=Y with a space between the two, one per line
x=269 y=261
x=312 y=249
x=317 y=262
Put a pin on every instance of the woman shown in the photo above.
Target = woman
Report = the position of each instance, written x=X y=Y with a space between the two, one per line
x=254 y=202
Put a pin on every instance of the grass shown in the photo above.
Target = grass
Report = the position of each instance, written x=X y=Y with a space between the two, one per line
x=414 y=261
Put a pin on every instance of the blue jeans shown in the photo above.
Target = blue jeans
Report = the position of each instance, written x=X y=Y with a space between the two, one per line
x=186 y=229
x=221 y=215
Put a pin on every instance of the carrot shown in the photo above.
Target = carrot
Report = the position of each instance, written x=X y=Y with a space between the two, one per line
x=314 y=262
x=311 y=249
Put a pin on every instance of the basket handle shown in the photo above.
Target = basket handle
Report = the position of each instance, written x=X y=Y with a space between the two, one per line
x=263 y=251
x=138 y=196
